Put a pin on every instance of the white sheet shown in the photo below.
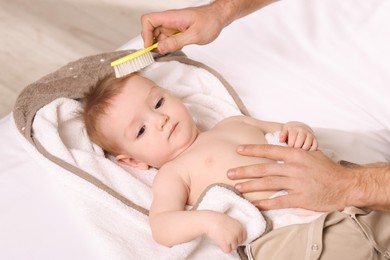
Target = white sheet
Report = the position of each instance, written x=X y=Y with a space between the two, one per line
x=326 y=63
x=36 y=221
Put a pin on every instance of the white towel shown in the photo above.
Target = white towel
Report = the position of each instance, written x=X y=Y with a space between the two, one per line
x=221 y=199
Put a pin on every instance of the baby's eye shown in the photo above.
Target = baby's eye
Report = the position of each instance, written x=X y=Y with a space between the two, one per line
x=159 y=103
x=141 y=132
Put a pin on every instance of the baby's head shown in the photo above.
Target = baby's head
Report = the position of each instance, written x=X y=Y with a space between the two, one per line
x=139 y=122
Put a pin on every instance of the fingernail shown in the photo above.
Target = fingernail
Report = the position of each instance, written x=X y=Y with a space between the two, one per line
x=231 y=173
x=238 y=186
x=240 y=148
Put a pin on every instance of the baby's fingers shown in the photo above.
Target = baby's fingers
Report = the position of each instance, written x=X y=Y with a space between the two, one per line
x=229 y=247
x=283 y=136
x=292 y=139
x=310 y=144
x=314 y=145
x=225 y=247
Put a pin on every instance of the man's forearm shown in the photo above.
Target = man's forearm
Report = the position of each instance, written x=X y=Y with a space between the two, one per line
x=372 y=189
x=231 y=10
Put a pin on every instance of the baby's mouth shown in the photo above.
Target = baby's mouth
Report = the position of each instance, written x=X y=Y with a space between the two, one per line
x=172 y=130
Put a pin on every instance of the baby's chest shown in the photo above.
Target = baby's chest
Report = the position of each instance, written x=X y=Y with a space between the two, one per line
x=210 y=164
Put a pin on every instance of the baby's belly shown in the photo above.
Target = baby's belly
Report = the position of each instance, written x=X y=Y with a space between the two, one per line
x=213 y=167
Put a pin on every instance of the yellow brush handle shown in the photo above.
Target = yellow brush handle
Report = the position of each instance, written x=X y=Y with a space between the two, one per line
x=134 y=55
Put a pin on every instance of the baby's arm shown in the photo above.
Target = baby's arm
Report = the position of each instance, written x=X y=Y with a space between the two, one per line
x=295 y=134
x=171 y=224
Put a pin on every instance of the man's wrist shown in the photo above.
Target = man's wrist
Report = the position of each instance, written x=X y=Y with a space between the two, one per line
x=370 y=187
x=226 y=13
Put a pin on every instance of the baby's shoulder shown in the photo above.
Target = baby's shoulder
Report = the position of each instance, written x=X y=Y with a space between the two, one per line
x=233 y=119
x=172 y=173
x=169 y=167
x=174 y=168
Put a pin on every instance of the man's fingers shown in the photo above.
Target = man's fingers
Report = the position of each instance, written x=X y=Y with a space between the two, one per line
x=154 y=25
x=273 y=152
x=256 y=171
x=148 y=29
x=169 y=44
x=176 y=42
x=273 y=183
x=285 y=201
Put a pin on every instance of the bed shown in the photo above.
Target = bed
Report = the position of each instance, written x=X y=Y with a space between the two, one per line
x=326 y=63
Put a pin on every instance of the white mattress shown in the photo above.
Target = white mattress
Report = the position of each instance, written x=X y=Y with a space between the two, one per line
x=326 y=63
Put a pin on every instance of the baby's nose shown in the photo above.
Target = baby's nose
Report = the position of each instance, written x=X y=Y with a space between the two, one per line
x=162 y=120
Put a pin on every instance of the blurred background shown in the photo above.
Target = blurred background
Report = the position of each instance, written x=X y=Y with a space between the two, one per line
x=40 y=36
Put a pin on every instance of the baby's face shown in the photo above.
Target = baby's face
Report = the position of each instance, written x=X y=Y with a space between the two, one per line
x=148 y=124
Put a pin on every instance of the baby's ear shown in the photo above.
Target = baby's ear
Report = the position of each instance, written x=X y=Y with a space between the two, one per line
x=129 y=161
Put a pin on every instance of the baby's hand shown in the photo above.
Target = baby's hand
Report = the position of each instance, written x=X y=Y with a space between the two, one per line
x=298 y=135
x=227 y=232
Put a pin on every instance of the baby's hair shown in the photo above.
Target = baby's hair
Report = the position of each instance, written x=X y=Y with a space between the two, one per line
x=96 y=102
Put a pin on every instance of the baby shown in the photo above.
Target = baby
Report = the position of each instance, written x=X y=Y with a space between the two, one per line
x=144 y=126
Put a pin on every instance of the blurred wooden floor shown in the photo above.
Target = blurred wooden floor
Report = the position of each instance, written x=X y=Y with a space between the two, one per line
x=40 y=36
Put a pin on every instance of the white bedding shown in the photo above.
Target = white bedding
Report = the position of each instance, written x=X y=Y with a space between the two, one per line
x=326 y=63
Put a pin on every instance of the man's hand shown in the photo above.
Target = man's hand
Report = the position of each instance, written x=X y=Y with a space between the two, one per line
x=312 y=180
x=198 y=25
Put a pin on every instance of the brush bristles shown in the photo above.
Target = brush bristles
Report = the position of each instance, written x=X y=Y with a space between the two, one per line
x=133 y=65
